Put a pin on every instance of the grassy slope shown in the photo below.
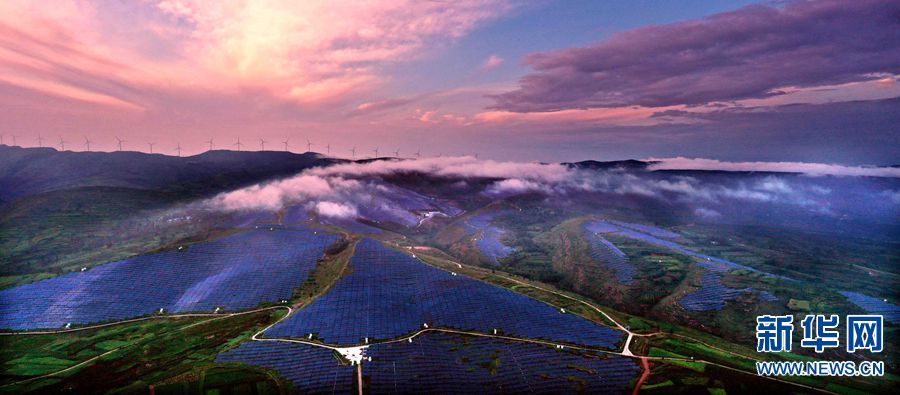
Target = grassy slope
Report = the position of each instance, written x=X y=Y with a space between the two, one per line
x=146 y=352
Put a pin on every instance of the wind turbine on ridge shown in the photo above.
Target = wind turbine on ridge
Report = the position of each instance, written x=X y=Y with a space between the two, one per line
x=178 y=148
x=87 y=143
x=397 y=153
x=40 y=140
x=238 y=144
x=262 y=144
x=328 y=149
x=62 y=144
x=376 y=151
x=120 y=142
x=210 y=142
x=151 y=146
x=285 y=142
x=418 y=153
x=309 y=145
x=353 y=150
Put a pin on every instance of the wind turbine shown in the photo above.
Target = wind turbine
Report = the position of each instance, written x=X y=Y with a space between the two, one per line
x=328 y=149
x=40 y=140
x=418 y=153
x=376 y=151
x=120 y=143
x=309 y=145
x=262 y=144
x=353 y=150
x=238 y=143
x=285 y=142
x=210 y=142
x=178 y=149
x=87 y=143
x=397 y=153
x=151 y=146
x=62 y=144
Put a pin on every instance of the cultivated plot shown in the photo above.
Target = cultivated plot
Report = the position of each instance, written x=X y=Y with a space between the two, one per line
x=231 y=273
x=388 y=294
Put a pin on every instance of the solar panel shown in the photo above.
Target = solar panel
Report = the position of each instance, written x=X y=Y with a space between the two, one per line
x=450 y=363
x=489 y=236
x=235 y=272
x=601 y=250
x=713 y=294
x=388 y=294
x=310 y=369
x=891 y=312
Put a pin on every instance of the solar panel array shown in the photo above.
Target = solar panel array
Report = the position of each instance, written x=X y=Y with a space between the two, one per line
x=891 y=312
x=390 y=203
x=312 y=370
x=706 y=261
x=713 y=294
x=489 y=239
x=601 y=250
x=650 y=230
x=234 y=272
x=246 y=219
x=295 y=214
x=448 y=363
x=388 y=294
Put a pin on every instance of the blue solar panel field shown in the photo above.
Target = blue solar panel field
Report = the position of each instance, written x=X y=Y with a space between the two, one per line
x=310 y=369
x=234 y=272
x=891 y=312
x=601 y=250
x=247 y=219
x=706 y=261
x=489 y=236
x=650 y=230
x=449 y=363
x=713 y=294
x=388 y=294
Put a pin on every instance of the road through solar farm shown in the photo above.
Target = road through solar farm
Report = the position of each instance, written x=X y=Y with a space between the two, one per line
x=419 y=287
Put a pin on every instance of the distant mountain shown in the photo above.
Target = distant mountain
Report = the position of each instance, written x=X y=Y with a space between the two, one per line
x=630 y=164
x=28 y=171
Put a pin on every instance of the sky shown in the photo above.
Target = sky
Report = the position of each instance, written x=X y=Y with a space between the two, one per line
x=785 y=81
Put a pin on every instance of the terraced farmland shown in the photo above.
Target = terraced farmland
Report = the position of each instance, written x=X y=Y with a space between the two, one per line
x=388 y=294
x=449 y=363
x=232 y=273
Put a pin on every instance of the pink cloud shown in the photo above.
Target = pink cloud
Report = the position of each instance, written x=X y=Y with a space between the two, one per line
x=308 y=52
x=491 y=62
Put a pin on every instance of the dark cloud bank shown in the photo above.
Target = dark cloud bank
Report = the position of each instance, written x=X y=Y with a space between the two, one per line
x=747 y=53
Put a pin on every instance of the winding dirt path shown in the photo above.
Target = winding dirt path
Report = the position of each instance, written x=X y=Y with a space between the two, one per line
x=646 y=373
